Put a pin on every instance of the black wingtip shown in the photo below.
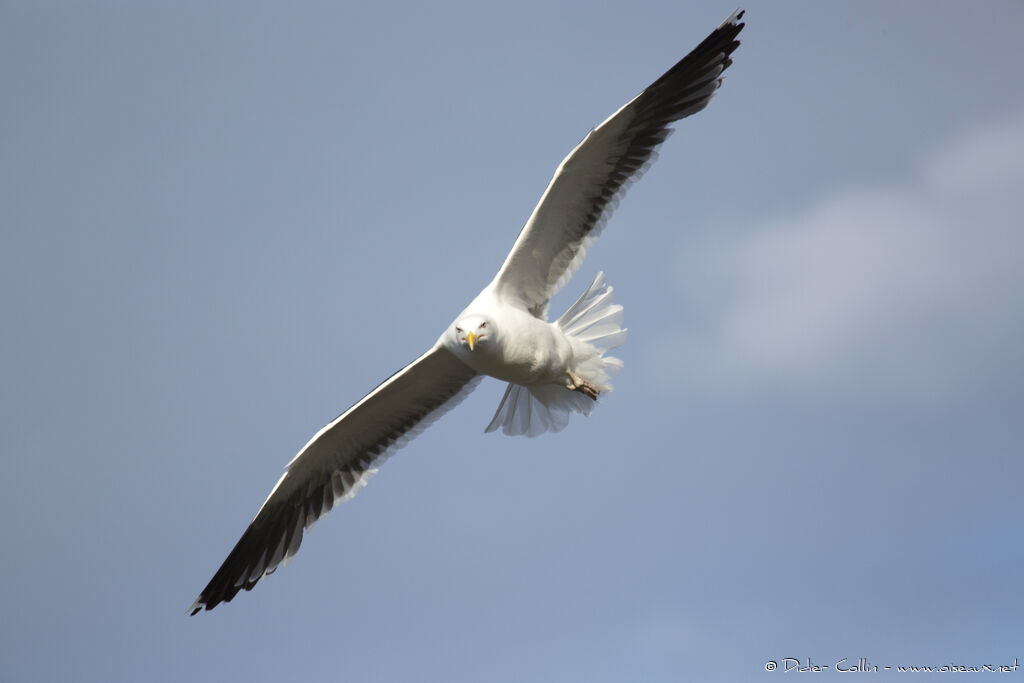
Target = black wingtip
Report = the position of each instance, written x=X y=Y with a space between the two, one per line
x=733 y=25
x=201 y=602
x=207 y=601
x=216 y=593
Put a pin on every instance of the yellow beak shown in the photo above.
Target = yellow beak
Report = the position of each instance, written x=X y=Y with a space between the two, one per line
x=471 y=340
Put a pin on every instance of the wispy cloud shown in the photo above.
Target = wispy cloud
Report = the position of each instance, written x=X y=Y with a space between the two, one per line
x=913 y=291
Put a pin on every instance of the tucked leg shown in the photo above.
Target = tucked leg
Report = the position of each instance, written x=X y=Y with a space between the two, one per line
x=577 y=383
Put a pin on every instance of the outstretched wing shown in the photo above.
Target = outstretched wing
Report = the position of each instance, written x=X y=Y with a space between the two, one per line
x=336 y=463
x=589 y=182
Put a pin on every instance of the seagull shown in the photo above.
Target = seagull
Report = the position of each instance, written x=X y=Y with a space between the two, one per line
x=553 y=369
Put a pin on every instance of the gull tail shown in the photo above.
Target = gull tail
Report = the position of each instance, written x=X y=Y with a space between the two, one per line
x=592 y=325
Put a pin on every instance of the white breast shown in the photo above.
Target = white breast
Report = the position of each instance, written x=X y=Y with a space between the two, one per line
x=522 y=349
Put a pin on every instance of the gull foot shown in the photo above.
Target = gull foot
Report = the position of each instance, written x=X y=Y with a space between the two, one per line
x=577 y=383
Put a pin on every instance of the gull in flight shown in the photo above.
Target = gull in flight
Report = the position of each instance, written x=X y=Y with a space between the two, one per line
x=553 y=369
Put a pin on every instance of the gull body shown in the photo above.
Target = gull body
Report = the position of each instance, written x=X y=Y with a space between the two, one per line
x=512 y=346
x=553 y=369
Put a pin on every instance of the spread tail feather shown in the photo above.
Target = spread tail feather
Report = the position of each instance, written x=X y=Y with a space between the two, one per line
x=592 y=325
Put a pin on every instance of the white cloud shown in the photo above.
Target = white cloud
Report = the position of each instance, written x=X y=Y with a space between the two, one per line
x=914 y=291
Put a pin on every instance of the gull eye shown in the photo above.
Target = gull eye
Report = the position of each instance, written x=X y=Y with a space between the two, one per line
x=483 y=324
x=458 y=329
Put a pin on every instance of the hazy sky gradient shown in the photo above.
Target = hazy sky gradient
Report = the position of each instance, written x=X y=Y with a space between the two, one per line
x=224 y=223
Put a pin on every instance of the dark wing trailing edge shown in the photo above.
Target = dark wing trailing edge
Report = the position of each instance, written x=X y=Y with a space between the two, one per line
x=336 y=463
x=589 y=182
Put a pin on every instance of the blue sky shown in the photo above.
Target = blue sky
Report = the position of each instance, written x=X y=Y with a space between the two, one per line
x=224 y=223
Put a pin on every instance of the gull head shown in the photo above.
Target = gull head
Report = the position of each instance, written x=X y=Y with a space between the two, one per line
x=472 y=331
